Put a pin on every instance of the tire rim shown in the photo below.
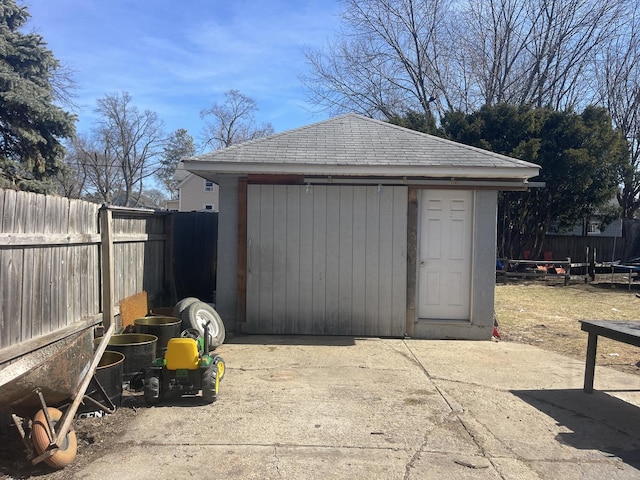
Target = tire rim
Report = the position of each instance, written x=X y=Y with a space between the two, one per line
x=214 y=327
x=221 y=369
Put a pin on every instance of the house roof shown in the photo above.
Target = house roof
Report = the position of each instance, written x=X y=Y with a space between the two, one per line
x=180 y=173
x=352 y=145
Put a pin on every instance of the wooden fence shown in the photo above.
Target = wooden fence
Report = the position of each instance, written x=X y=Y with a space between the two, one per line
x=195 y=251
x=65 y=264
x=575 y=247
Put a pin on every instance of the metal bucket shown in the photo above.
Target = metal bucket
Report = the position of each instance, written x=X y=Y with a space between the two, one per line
x=139 y=351
x=109 y=374
x=162 y=327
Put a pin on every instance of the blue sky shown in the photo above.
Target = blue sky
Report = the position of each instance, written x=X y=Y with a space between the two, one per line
x=177 y=58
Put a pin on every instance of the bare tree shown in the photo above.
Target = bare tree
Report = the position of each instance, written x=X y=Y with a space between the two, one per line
x=69 y=181
x=123 y=150
x=391 y=58
x=102 y=175
x=493 y=38
x=64 y=86
x=394 y=56
x=618 y=76
x=565 y=36
x=232 y=121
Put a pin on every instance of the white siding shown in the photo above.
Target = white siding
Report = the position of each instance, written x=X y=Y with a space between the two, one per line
x=327 y=260
x=194 y=197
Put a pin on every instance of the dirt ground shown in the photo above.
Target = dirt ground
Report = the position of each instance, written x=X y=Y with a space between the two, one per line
x=94 y=436
x=543 y=313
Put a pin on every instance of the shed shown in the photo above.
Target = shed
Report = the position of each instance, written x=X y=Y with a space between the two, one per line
x=353 y=226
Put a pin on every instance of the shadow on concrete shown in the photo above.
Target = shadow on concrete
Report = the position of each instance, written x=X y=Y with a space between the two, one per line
x=309 y=340
x=596 y=421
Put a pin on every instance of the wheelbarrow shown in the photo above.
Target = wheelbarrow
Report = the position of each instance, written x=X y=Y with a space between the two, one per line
x=29 y=390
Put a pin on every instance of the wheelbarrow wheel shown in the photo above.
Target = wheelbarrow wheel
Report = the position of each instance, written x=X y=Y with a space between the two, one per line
x=152 y=389
x=210 y=384
x=41 y=438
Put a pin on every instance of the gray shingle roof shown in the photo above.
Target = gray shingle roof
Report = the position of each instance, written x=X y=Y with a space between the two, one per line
x=180 y=173
x=352 y=144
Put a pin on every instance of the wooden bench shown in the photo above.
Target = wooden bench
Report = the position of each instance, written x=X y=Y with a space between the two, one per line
x=621 y=331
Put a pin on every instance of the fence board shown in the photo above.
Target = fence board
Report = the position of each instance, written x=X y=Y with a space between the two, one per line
x=565 y=246
x=195 y=275
x=2 y=196
x=28 y=293
x=3 y=325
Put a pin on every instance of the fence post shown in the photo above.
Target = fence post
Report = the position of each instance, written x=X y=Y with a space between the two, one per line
x=107 y=278
x=169 y=259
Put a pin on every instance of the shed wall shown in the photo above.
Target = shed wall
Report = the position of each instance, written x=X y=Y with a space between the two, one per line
x=327 y=260
x=227 y=256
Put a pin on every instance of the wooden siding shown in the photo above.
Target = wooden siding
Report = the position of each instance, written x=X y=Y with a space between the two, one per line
x=327 y=260
x=50 y=265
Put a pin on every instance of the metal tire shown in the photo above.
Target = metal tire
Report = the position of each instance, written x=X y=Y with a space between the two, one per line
x=41 y=438
x=197 y=315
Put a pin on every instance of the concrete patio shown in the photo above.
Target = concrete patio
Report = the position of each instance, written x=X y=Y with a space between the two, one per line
x=339 y=407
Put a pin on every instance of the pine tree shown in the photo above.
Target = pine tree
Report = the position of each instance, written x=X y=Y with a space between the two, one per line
x=581 y=155
x=31 y=125
x=179 y=144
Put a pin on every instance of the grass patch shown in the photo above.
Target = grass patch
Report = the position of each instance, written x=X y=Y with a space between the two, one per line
x=547 y=314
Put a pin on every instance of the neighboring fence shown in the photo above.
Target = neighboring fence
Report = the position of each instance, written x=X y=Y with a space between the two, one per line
x=142 y=259
x=195 y=237
x=64 y=262
x=574 y=247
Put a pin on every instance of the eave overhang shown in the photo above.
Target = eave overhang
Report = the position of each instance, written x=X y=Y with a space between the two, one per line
x=500 y=178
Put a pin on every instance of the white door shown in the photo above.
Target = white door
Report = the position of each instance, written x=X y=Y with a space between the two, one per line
x=444 y=257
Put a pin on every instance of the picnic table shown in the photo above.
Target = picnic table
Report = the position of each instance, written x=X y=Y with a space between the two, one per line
x=621 y=331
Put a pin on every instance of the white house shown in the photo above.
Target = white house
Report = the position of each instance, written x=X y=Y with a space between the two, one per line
x=194 y=193
x=353 y=226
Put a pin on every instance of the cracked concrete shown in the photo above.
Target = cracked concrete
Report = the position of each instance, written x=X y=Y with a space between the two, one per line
x=319 y=408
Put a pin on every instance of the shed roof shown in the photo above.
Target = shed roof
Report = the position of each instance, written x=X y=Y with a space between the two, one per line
x=354 y=145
